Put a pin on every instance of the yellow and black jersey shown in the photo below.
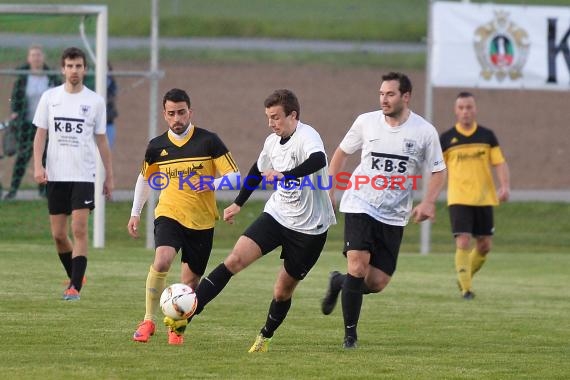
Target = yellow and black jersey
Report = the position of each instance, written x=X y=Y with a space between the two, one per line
x=181 y=166
x=469 y=156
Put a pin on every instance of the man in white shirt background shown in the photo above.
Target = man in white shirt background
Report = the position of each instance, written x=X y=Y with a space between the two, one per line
x=75 y=119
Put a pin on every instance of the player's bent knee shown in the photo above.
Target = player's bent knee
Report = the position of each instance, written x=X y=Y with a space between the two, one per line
x=235 y=263
x=245 y=252
x=60 y=239
x=484 y=248
x=80 y=234
x=283 y=292
x=283 y=295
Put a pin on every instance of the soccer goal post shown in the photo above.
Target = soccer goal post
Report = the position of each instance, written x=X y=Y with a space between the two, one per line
x=100 y=13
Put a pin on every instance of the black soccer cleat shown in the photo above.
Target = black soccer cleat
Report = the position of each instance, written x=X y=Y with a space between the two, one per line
x=10 y=196
x=349 y=343
x=331 y=297
x=468 y=295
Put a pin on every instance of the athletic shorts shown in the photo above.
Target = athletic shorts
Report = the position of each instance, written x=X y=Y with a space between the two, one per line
x=195 y=245
x=474 y=220
x=364 y=233
x=64 y=197
x=299 y=251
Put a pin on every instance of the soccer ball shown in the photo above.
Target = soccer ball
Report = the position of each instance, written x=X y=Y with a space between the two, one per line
x=178 y=301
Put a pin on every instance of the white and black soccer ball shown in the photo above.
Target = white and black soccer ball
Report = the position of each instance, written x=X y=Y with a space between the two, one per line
x=178 y=301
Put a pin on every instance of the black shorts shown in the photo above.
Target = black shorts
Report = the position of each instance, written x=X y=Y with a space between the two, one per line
x=364 y=233
x=64 y=197
x=474 y=220
x=196 y=245
x=299 y=251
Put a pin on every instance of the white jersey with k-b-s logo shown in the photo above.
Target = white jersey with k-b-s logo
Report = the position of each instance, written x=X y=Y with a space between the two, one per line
x=303 y=204
x=72 y=120
x=390 y=157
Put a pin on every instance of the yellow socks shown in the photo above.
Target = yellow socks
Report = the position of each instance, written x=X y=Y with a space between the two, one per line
x=477 y=260
x=155 y=284
x=463 y=269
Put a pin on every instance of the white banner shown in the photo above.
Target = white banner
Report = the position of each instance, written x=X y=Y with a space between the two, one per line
x=500 y=46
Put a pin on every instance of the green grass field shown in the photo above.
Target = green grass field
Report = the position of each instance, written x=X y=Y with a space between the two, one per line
x=366 y=20
x=418 y=328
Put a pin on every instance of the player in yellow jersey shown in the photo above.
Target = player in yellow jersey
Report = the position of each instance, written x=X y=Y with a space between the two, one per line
x=470 y=151
x=177 y=162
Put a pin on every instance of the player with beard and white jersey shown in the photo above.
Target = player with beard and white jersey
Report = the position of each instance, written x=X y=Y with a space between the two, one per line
x=396 y=156
x=396 y=146
x=296 y=217
x=74 y=117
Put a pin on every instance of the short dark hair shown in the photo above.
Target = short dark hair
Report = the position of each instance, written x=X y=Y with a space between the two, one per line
x=73 y=53
x=285 y=98
x=465 y=94
x=405 y=82
x=176 y=95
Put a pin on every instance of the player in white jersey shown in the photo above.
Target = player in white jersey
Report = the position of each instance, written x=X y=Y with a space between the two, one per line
x=297 y=203
x=74 y=117
x=296 y=217
x=396 y=146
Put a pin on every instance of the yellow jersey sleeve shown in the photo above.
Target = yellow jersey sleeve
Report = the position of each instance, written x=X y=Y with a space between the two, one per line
x=497 y=156
x=225 y=164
